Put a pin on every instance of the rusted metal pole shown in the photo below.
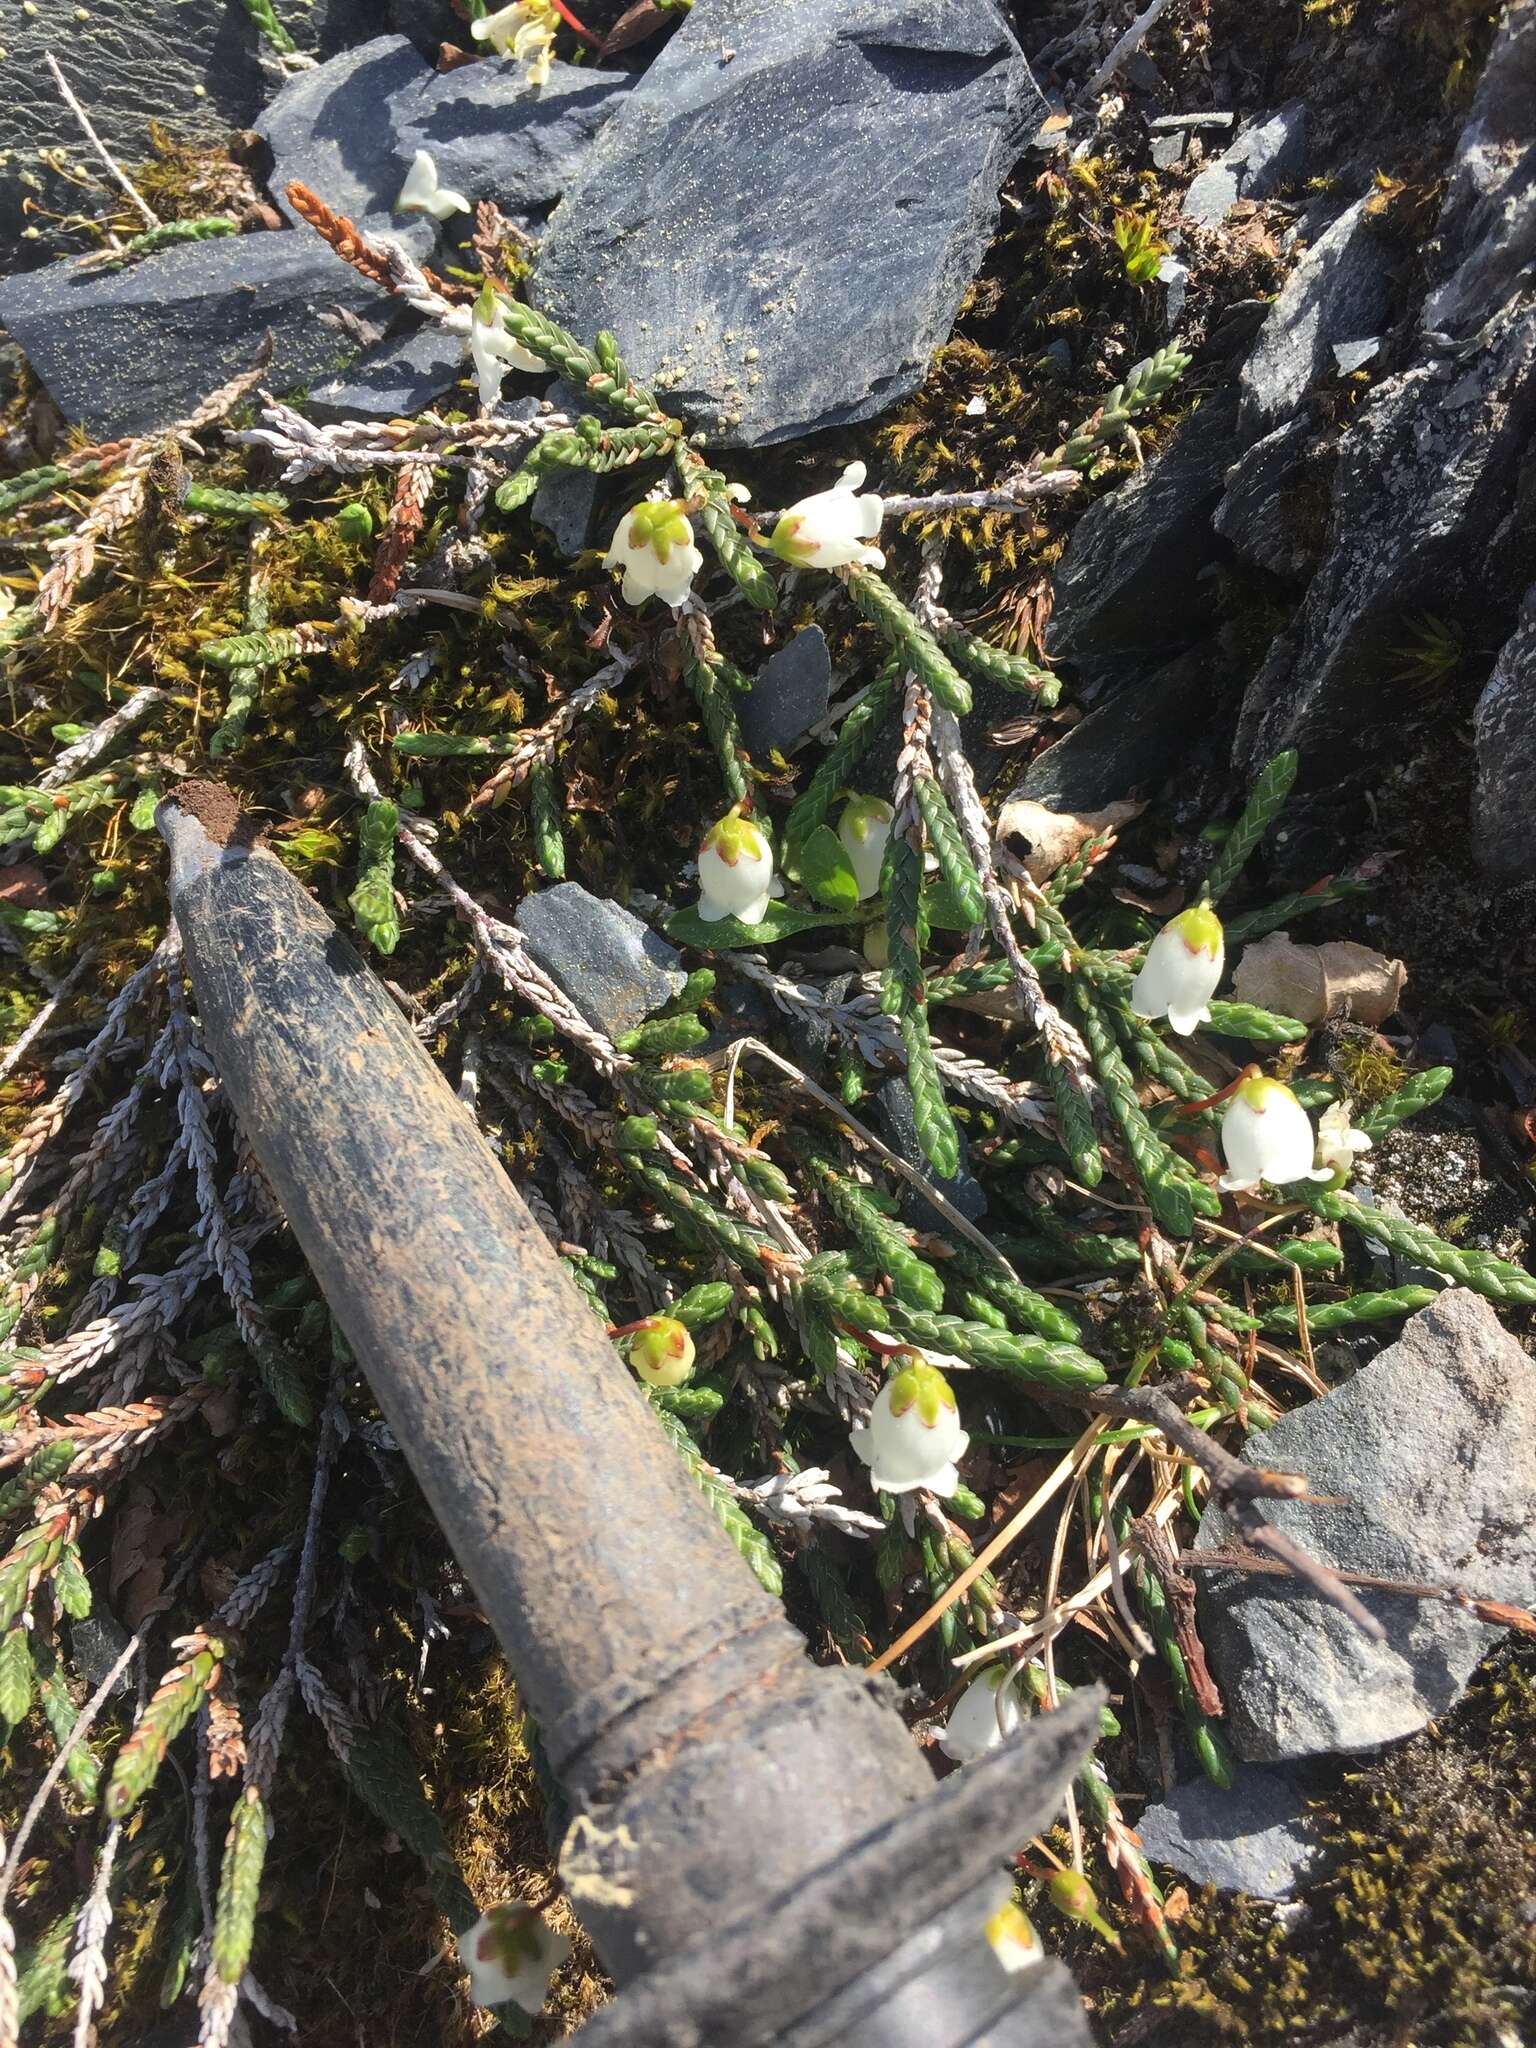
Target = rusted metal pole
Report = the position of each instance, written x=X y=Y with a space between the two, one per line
x=724 y=1788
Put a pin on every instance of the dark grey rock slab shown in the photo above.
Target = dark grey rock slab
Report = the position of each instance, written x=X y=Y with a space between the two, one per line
x=615 y=969
x=1487 y=227
x=493 y=138
x=790 y=694
x=898 y=1120
x=1253 y=1836
x=1131 y=740
x=1267 y=155
x=1274 y=512
x=128 y=352
x=1431 y=1449
x=1339 y=293
x=781 y=237
x=1504 y=808
x=395 y=379
x=336 y=129
x=567 y=501
x=1426 y=475
x=197 y=66
x=1130 y=577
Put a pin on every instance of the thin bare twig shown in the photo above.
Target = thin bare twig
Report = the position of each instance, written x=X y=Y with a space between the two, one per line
x=150 y=218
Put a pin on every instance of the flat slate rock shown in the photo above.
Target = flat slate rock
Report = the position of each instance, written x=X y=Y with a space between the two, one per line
x=790 y=693
x=1131 y=740
x=1425 y=479
x=1339 y=294
x=1431 y=1450
x=1130 y=576
x=336 y=129
x=614 y=968
x=1252 y=1836
x=397 y=378
x=1274 y=512
x=493 y=137
x=198 y=66
x=1504 y=726
x=780 y=236
x=130 y=351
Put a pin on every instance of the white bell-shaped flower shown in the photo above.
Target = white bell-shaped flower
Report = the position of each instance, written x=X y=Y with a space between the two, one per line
x=662 y=1352
x=421 y=192
x=986 y=1712
x=524 y=31
x=735 y=871
x=1338 y=1142
x=1182 y=970
x=511 y=1953
x=864 y=828
x=494 y=351
x=654 y=547
x=1266 y=1135
x=913 y=1437
x=1013 y=1940
x=832 y=527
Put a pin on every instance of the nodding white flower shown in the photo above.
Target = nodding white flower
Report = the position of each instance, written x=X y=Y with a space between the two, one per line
x=1338 y=1141
x=493 y=350
x=524 y=31
x=864 y=828
x=1011 y=1934
x=832 y=528
x=1266 y=1135
x=511 y=1953
x=1182 y=970
x=421 y=193
x=984 y=1715
x=654 y=547
x=913 y=1437
x=662 y=1352
x=735 y=870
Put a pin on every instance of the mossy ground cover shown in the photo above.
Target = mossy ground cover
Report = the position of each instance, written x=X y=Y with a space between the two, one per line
x=1419 y=1927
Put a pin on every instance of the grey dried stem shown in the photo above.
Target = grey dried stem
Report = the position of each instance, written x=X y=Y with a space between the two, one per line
x=124 y=499
x=501 y=945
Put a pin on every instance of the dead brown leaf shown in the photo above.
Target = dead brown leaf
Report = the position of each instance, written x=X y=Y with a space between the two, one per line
x=1314 y=982
x=1046 y=840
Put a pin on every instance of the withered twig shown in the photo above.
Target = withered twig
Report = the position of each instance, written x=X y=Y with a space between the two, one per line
x=1160 y=1558
x=1236 y=1488
x=1497 y=1613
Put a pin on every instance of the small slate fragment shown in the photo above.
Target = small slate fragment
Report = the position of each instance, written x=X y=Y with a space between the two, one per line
x=566 y=502
x=336 y=129
x=1431 y=1452
x=1267 y=155
x=128 y=352
x=790 y=695
x=781 y=240
x=1252 y=1837
x=893 y=1106
x=614 y=969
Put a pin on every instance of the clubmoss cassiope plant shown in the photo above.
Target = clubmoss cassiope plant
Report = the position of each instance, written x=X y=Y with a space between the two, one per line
x=436 y=720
